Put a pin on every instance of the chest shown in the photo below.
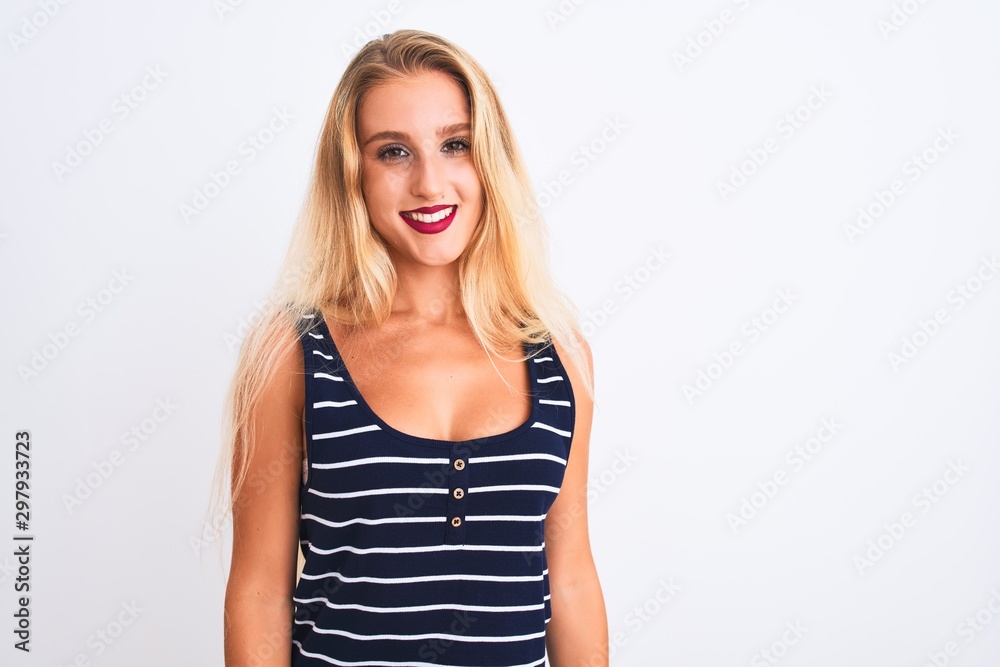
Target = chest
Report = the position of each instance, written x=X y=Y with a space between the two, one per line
x=439 y=385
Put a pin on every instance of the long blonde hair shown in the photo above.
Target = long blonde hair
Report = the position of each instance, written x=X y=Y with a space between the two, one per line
x=337 y=263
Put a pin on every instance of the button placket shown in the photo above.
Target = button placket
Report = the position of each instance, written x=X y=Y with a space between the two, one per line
x=458 y=487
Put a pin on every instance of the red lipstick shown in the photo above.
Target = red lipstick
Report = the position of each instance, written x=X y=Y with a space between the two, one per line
x=428 y=219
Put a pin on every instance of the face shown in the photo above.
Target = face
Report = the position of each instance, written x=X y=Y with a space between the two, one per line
x=419 y=182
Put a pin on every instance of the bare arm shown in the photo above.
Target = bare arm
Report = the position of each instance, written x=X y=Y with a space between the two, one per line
x=258 y=606
x=577 y=633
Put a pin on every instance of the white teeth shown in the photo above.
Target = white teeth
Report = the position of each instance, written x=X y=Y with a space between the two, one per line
x=430 y=217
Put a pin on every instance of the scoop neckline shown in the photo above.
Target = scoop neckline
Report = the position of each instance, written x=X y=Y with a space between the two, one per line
x=420 y=440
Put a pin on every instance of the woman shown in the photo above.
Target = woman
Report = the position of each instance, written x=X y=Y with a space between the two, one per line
x=417 y=414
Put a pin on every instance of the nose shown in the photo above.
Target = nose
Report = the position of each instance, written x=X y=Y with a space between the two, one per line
x=427 y=179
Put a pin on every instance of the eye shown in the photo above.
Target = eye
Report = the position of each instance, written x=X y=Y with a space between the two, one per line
x=457 y=146
x=389 y=153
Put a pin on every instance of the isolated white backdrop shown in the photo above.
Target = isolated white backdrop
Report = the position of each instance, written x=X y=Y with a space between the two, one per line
x=685 y=583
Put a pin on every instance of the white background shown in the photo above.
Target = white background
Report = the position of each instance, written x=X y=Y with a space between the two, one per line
x=666 y=470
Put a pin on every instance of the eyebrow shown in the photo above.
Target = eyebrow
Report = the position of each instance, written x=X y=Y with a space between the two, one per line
x=402 y=136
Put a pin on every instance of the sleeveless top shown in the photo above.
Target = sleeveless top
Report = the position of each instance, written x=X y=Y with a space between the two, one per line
x=421 y=551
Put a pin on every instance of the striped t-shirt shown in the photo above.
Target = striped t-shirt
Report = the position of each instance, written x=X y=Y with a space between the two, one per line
x=421 y=551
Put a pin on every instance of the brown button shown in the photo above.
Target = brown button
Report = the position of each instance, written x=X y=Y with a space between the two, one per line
x=459 y=464
x=458 y=493
x=456 y=521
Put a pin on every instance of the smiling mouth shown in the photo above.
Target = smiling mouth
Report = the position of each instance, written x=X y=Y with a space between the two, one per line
x=435 y=214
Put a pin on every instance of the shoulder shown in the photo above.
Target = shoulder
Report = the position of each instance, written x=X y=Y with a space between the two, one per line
x=571 y=361
x=578 y=362
x=274 y=353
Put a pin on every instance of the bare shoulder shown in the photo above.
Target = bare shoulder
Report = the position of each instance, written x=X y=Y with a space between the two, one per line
x=583 y=402
x=575 y=373
x=265 y=516
x=271 y=391
x=567 y=537
x=284 y=368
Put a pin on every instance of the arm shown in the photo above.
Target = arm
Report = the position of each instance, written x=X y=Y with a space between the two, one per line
x=258 y=605
x=577 y=633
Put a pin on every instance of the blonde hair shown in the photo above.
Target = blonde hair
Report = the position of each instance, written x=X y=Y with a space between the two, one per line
x=338 y=264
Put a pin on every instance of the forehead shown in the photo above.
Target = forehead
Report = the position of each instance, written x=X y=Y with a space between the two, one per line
x=415 y=104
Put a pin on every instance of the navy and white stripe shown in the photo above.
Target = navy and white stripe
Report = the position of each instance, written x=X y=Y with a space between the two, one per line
x=423 y=552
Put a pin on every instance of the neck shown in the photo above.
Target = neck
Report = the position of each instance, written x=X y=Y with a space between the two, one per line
x=428 y=293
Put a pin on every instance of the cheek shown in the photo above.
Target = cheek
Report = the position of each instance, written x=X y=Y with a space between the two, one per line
x=381 y=191
x=471 y=190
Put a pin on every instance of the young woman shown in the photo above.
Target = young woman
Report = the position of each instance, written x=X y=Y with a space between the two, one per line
x=416 y=415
